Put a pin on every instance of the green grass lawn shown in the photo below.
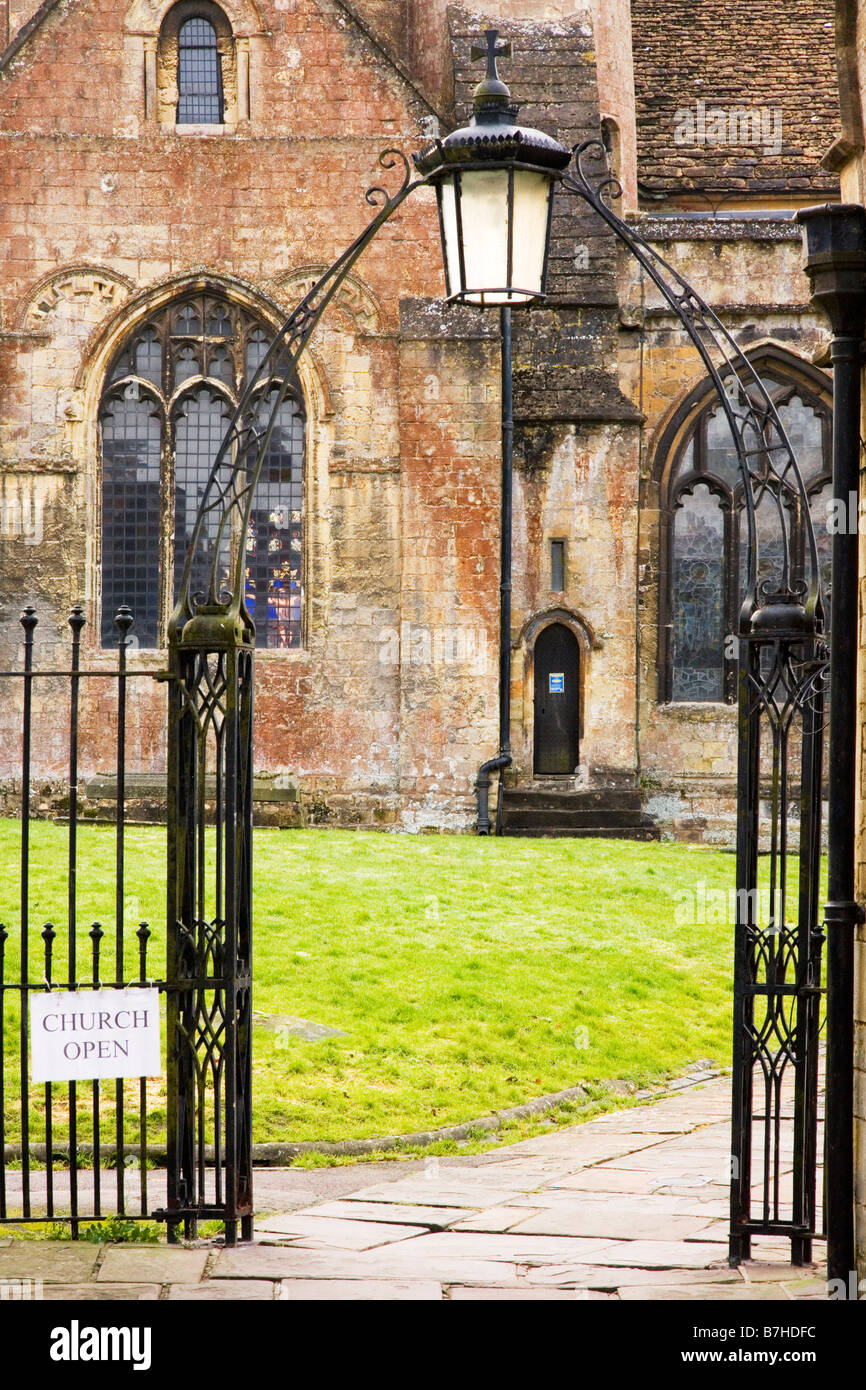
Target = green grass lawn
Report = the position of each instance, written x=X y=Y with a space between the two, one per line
x=467 y=974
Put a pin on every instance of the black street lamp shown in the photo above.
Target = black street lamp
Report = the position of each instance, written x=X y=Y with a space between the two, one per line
x=495 y=182
x=494 y=185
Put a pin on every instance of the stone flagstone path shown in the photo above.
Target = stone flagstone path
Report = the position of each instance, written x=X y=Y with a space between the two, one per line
x=630 y=1206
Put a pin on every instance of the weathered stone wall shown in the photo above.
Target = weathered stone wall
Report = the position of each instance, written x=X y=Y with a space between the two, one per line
x=611 y=22
x=386 y=712
x=104 y=216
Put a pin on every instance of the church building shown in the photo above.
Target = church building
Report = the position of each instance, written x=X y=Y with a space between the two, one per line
x=173 y=179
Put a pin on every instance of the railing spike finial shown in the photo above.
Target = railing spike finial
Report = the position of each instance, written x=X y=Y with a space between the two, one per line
x=123 y=620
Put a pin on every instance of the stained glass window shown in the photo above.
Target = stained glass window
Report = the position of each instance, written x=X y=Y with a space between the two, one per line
x=200 y=422
x=699 y=598
x=274 y=543
x=131 y=454
x=169 y=395
x=199 y=75
x=707 y=535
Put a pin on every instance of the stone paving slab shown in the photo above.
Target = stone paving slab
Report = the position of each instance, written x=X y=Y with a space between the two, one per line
x=704 y=1293
x=291 y=1262
x=601 y=1277
x=755 y=1272
x=707 y=1165
x=495 y=1219
x=512 y=1248
x=584 y=1220
x=77 y=1293
x=444 y=1194
x=52 y=1261
x=153 y=1263
x=431 y=1218
x=557 y=1199
x=503 y=1167
x=695 y=1190
x=809 y=1287
x=607 y=1179
x=366 y=1290
x=590 y=1148
x=644 y=1120
x=713 y=1230
x=224 y=1290
x=317 y=1231
x=660 y=1254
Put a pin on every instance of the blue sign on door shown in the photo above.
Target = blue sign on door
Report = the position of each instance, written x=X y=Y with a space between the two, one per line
x=556 y=683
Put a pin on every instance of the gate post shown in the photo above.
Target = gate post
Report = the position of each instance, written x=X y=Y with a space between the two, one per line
x=208 y=980
x=835 y=237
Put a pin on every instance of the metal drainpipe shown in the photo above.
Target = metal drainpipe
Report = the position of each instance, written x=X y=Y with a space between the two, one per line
x=836 y=265
x=503 y=757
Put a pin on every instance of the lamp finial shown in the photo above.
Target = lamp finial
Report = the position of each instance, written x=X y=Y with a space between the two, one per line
x=492 y=90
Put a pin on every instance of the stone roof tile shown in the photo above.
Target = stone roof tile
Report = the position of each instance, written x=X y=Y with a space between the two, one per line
x=769 y=67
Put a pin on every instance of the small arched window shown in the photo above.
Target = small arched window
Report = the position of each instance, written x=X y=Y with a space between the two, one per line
x=196 y=67
x=704 y=542
x=199 y=74
x=169 y=395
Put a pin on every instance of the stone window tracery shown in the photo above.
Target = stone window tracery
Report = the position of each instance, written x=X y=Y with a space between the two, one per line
x=169 y=395
x=704 y=539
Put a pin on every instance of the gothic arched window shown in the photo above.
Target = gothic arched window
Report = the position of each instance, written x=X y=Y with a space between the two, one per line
x=704 y=540
x=168 y=398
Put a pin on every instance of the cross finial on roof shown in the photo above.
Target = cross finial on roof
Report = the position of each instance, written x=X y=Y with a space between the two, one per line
x=491 y=52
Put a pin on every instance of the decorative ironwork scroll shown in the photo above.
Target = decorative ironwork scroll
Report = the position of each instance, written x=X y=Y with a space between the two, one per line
x=782 y=685
x=210 y=731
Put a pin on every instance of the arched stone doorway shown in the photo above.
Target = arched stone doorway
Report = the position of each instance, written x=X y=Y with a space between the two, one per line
x=556 y=702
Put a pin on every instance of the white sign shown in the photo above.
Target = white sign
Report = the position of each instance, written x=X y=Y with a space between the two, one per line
x=82 y=1035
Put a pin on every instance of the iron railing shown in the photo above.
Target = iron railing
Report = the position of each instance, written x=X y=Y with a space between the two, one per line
x=57 y=1139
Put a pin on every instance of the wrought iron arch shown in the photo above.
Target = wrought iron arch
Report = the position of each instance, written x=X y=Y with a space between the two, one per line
x=782 y=673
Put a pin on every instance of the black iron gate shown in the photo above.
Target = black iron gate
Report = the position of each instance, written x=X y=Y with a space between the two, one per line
x=783 y=664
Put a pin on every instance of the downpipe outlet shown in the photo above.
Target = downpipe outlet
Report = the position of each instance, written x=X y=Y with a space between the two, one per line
x=482 y=790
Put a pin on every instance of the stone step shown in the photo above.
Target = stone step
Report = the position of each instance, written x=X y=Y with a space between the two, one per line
x=641 y=832
x=549 y=799
x=565 y=817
